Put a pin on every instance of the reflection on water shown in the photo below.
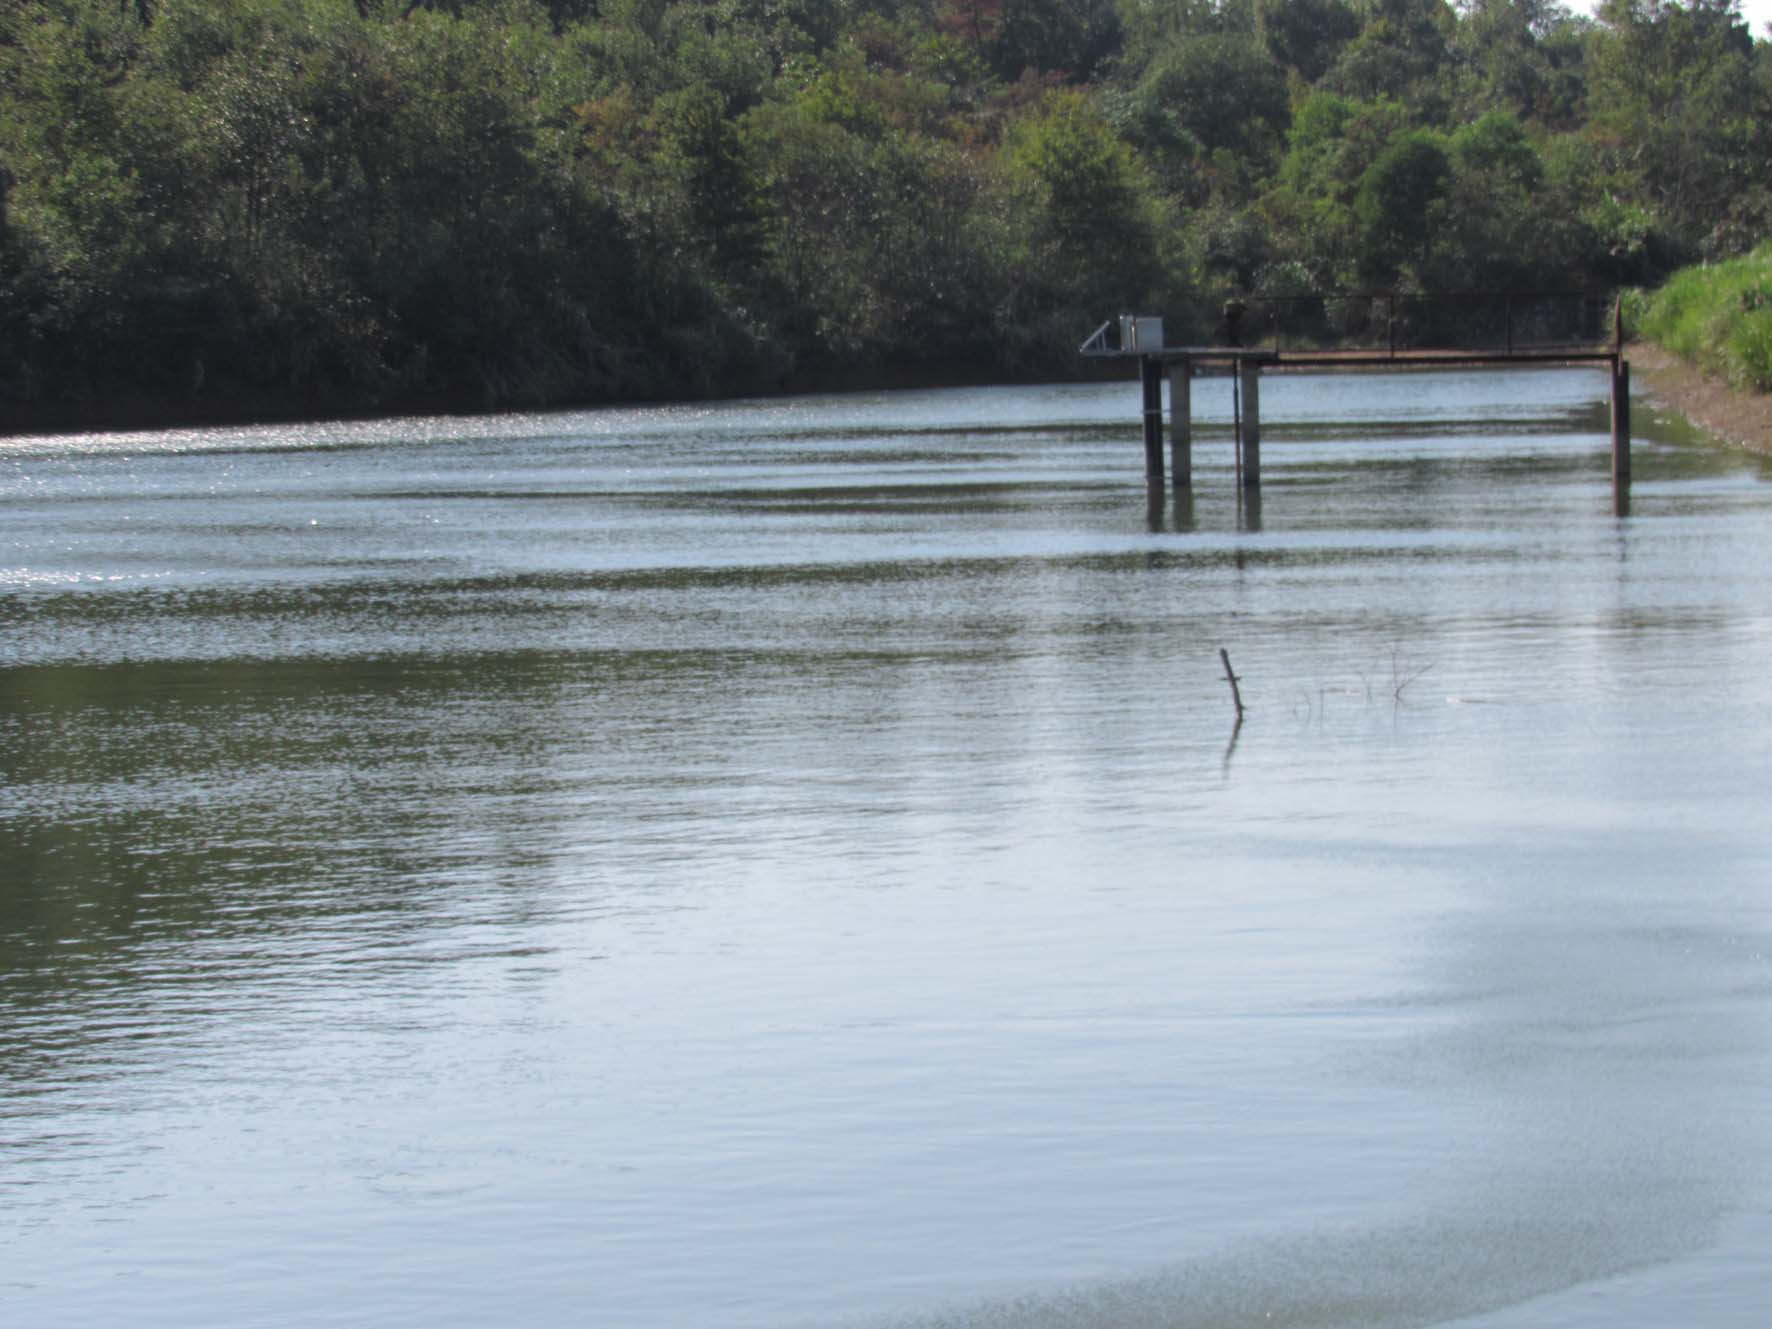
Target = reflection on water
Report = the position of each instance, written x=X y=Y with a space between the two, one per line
x=794 y=863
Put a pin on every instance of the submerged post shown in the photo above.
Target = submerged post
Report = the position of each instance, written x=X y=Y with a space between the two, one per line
x=1151 y=377
x=1249 y=373
x=1620 y=430
x=1181 y=422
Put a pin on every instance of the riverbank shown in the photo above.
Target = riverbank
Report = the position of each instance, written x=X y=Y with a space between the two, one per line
x=143 y=411
x=1738 y=417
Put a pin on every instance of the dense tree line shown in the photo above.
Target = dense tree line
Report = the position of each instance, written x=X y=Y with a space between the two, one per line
x=322 y=205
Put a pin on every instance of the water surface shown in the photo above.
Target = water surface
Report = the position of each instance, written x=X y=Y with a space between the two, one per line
x=791 y=863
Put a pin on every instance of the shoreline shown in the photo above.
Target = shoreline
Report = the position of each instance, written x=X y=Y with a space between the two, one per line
x=1730 y=416
x=142 y=412
x=1736 y=418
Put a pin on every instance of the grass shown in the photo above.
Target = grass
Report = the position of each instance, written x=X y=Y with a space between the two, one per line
x=1718 y=316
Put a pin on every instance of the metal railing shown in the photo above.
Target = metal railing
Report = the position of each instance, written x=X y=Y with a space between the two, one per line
x=1393 y=323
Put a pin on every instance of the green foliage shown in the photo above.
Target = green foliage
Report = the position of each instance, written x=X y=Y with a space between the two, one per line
x=1395 y=205
x=701 y=152
x=1086 y=228
x=1085 y=184
x=1719 y=317
x=1398 y=54
x=1624 y=239
x=1497 y=148
x=1072 y=35
x=1155 y=132
x=1675 y=109
x=348 y=204
x=1332 y=145
x=1308 y=36
x=1224 y=91
x=1148 y=25
x=1334 y=141
x=1503 y=225
x=1520 y=56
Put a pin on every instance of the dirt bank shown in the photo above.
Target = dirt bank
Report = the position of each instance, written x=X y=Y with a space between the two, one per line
x=1741 y=418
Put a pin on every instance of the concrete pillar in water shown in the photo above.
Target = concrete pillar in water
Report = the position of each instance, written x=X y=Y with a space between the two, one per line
x=1249 y=372
x=1249 y=510
x=1620 y=430
x=1181 y=423
x=1150 y=372
x=1183 y=519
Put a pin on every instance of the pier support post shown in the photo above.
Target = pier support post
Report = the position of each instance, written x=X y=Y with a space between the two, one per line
x=1250 y=374
x=1151 y=377
x=1181 y=423
x=1620 y=432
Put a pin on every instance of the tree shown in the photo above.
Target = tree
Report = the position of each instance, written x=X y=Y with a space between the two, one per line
x=1333 y=142
x=1399 y=53
x=1226 y=92
x=1515 y=55
x=1396 y=202
x=1502 y=226
x=1497 y=148
x=1074 y=36
x=1308 y=36
x=1088 y=225
x=1675 y=108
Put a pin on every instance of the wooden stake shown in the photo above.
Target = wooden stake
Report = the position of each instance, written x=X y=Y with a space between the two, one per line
x=1231 y=678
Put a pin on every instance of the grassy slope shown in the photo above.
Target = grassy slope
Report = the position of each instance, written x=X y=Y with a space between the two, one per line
x=1718 y=317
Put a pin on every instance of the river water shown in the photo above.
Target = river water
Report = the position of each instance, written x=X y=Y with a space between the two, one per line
x=792 y=863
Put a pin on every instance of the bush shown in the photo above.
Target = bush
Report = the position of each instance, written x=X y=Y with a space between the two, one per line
x=1719 y=317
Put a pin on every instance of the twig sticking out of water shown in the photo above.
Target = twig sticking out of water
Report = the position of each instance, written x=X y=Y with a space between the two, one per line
x=1231 y=678
x=1230 y=748
x=1400 y=680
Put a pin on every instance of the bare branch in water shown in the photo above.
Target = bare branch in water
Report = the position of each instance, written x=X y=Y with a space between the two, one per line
x=1231 y=678
x=1400 y=680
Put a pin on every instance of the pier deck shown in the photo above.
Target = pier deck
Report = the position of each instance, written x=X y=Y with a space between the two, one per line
x=1140 y=338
